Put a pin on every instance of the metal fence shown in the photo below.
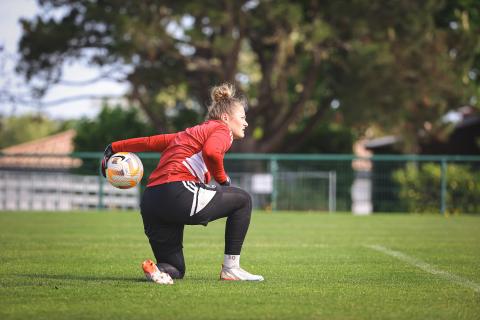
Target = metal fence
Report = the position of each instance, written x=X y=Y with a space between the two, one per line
x=383 y=183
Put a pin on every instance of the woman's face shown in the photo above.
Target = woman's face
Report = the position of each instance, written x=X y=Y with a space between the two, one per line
x=236 y=121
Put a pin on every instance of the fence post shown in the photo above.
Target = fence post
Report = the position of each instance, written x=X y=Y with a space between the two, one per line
x=100 y=205
x=332 y=191
x=274 y=173
x=443 y=204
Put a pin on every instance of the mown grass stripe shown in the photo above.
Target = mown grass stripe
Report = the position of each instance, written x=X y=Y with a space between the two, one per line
x=427 y=267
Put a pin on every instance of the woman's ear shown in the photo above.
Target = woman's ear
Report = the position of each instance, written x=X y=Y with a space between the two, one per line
x=224 y=117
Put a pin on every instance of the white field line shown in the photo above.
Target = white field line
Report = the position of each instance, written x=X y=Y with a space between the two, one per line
x=426 y=267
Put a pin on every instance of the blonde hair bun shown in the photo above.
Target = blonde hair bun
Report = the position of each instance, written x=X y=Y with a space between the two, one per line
x=223 y=101
x=222 y=92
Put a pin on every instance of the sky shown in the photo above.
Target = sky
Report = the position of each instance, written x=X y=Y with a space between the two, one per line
x=10 y=33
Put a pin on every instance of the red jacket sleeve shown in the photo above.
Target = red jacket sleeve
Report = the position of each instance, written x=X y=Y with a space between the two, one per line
x=213 y=151
x=145 y=144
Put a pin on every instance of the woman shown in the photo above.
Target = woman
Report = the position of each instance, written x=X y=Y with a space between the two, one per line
x=178 y=192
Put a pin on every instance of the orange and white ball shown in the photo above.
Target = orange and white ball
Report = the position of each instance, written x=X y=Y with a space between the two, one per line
x=124 y=170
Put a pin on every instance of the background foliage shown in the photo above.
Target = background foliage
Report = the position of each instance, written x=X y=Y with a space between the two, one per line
x=18 y=129
x=420 y=188
x=375 y=67
x=114 y=123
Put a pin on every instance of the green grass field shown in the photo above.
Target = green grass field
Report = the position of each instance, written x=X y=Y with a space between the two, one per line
x=316 y=266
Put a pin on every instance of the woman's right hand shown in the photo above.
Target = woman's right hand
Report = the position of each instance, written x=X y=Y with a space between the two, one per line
x=106 y=156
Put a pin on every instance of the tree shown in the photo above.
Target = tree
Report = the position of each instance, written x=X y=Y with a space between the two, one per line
x=112 y=124
x=382 y=61
x=175 y=46
x=18 y=129
x=415 y=71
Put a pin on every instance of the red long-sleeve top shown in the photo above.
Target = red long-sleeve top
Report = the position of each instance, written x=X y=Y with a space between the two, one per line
x=191 y=155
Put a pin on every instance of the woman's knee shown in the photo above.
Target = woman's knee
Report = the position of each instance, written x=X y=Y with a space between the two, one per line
x=247 y=199
x=250 y=205
x=172 y=263
x=176 y=272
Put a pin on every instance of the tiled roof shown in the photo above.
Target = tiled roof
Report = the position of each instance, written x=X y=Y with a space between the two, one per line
x=51 y=153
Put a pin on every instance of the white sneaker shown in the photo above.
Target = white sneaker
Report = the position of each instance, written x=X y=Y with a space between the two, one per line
x=153 y=274
x=238 y=273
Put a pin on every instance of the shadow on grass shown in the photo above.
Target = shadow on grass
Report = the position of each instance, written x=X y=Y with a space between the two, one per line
x=102 y=278
x=80 y=277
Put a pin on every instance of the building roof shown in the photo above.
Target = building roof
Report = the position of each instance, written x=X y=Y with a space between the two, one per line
x=46 y=153
x=381 y=142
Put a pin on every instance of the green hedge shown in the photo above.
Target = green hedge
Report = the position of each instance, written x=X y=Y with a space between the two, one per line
x=420 y=188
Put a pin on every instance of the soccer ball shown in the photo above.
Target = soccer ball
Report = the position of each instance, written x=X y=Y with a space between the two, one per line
x=124 y=170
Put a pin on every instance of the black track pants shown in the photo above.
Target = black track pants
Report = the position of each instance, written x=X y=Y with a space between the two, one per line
x=167 y=208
